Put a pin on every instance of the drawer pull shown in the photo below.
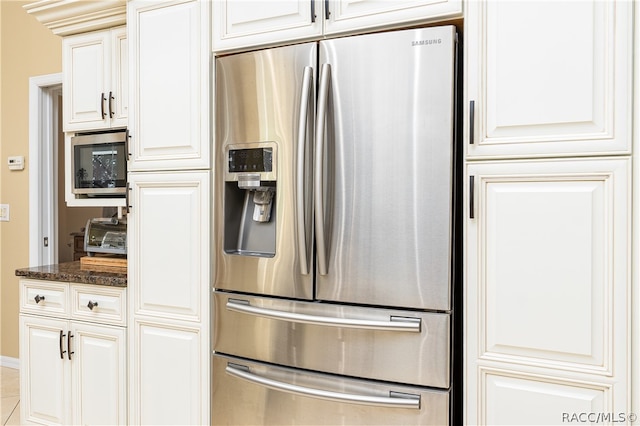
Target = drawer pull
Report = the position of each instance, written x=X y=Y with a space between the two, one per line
x=38 y=298
x=92 y=305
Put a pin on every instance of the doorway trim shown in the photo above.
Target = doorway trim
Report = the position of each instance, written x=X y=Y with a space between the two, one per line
x=43 y=133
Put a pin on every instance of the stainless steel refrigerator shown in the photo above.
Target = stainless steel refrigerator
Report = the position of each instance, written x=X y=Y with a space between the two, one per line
x=334 y=231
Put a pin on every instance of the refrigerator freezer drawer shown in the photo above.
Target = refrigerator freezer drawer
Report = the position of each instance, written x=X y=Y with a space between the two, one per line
x=384 y=344
x=250 y=393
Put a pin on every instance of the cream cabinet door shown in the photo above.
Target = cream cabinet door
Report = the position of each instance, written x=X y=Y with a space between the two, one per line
x=168 y=242
x=86 y=65
x=169 y=386
x=99 y=374
x=511 y=399
x=169 y=84
x=547 y=280
x=246 y=24
x=95 y=82
x=360 y=15
x=548 y=78
x=119 y=88
x=45 y=376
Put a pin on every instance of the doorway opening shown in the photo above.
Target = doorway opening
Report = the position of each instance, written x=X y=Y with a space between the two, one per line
x=54 y=228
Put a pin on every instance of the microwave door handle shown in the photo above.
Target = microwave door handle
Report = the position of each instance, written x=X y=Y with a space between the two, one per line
x=323 y=93
x=407 y=401
x=307 y=80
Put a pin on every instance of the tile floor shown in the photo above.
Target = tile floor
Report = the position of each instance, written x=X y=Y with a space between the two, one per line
x=10 y=395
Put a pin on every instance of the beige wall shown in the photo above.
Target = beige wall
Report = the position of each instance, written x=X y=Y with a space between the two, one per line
x=27 y=49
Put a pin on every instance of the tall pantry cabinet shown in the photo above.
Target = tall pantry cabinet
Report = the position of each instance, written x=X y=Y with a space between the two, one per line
x=548 y=136
x=169 y=242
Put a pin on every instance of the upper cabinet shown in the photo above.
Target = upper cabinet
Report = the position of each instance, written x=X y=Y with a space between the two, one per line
x=238 y=24
x=169 y=54
x=548 y=78
x=246 y=24
x=95 y=85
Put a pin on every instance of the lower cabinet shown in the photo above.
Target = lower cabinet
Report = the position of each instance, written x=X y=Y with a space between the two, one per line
x=547 y=289
x=167 y=379
x=72 y=371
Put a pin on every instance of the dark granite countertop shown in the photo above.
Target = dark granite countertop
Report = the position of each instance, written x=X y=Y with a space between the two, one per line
x=72 y=272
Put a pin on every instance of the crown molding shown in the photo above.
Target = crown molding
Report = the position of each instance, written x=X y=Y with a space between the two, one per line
x=66 y=17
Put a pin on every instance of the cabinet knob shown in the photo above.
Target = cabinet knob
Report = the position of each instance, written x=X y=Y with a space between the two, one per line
x=38 y=298
x=92 y=305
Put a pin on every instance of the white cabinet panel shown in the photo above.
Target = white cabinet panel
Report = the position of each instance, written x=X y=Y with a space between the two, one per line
x=350 y=15
x=169 y=66
x=95 y=86
x=546 y=251
x=85 y=60
x=555 y=83
x=99 y=374
x=44 y=380
x=169 y=243
x=102 y=304
x=49 y=299
x=120 y=78
x=548 y=255
x=521 y=400
x=169 y=388
x=239 y=24
x=248 y=24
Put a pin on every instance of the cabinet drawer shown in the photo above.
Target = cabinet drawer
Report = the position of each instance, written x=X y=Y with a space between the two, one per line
x=44 y=298
x=99 y=304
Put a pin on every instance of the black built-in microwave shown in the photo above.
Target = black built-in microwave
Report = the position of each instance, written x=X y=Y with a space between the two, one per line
x=99 y=162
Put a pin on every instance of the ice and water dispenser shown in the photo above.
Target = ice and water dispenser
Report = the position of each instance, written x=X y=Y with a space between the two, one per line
x=250 y=199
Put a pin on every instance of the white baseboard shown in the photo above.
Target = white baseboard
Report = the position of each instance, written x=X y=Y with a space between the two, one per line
x=6 y=361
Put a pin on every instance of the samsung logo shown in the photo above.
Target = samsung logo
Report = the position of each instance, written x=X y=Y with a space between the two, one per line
x=426 y=42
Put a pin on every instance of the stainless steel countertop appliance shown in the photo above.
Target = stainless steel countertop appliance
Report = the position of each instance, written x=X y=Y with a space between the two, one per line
x=335 y=237
x=105 y=235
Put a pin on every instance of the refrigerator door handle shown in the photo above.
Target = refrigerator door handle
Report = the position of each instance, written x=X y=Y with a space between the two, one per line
x=394 y=324
x=323 y=94
x=307 y=80
x=400 y=401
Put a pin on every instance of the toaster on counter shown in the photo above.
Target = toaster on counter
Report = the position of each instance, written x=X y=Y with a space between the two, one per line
x=105 y=235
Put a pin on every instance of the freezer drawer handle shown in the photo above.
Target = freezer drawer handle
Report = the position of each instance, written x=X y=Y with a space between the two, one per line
x=397 y=401
x=394 y=324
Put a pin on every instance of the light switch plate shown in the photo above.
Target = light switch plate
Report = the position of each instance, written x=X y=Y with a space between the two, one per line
x=4 y=212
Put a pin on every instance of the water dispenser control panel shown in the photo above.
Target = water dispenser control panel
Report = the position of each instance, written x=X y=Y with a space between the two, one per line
x=246 y=162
